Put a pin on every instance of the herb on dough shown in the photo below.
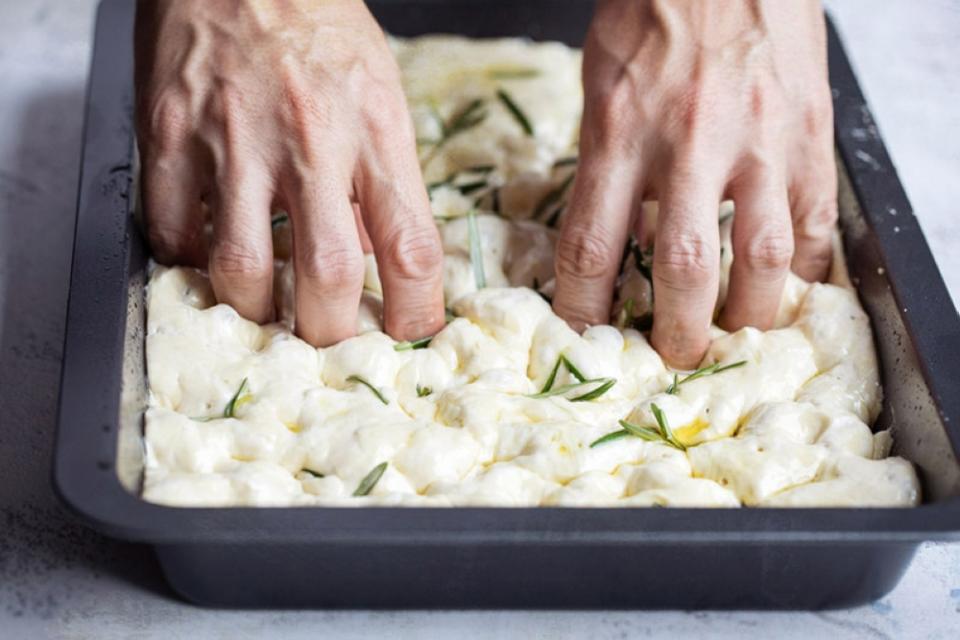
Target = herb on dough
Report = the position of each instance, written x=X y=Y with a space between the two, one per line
x=476 y=250
x=552 y=197
x=515 y=111
x=239 y=398
x=407 y=345
x=663 y=433
x=614 y=435
x=370 y=480
x=574 y=371
x=376 y=392
x=701 y=373
x=604 y=385
x=514 y=73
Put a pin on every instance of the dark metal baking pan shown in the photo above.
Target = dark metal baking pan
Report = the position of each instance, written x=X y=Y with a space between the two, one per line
x=494 y=557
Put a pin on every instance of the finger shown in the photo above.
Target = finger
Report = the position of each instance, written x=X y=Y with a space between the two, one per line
x=686 y=267
x=592 y=238
x=814 y=198
x=241 y=258
x=397 y=215
x=328 y=261
x=171 y=192
x=762 y=249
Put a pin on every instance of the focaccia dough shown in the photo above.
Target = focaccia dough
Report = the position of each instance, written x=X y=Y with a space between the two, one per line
x=456 y=422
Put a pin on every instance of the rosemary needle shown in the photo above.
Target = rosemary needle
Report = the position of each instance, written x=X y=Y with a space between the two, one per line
x=604 y=385
x=662 y=434
x=613 y=435
x=701 y=373
x=476 y=250
x=370 y=480
x=513 y=74
x=552 y=197
x=574 y=371
x=407 y=345
x=238 y=398
x=515 y=111
x=376 y=392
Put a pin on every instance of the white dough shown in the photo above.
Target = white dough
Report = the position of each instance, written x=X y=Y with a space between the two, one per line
x=242 y=414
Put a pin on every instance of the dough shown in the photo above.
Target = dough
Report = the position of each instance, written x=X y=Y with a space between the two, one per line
x=242 y=414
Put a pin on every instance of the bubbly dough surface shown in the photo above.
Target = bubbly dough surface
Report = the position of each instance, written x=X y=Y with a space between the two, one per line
x=242 y=414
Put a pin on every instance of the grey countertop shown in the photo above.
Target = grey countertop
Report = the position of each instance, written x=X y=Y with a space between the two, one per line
x=58 y=579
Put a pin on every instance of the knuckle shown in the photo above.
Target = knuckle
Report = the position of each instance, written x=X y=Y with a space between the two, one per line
x=413 y=253
x=332 y=268
x=298 y=105
x=168 y=124
x=816 y=221
x=685 y=261
x=231 y=259
x=585 y=253
x=167 y=241
x=767 y=251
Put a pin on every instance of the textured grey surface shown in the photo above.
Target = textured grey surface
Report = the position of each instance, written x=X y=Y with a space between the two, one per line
x=58 y=579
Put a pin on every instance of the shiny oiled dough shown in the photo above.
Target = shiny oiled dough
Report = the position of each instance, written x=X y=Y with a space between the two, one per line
x=789 y=428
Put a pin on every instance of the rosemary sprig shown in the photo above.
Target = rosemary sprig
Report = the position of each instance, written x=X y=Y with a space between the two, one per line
x=516 y=73
x=567 y=161
x=279 y=219
x=665 y=429
x=423 y=391
x=604 y=385
x=230 y=411
x=610 y=437
x=313 y=473
x=663 y=434
x=574 y=371
x=476 y=250
x=370 y=480
x=469 y=187
x=515 y=111
x=596 y=393
x=552 y=197
x=408 y=345
x=376 y=392
x=465 y=119
x=701 y=373
x=480 y=168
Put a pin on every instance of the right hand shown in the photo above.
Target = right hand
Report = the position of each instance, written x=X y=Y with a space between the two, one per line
x=247 y=106
x=690 y=103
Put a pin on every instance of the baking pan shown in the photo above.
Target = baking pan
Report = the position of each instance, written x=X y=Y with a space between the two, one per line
x=500 y=557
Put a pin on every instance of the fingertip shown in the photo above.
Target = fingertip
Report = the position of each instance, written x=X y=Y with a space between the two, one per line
x=679 y=349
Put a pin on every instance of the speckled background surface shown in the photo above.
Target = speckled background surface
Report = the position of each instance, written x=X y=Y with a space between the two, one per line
x=59 y=580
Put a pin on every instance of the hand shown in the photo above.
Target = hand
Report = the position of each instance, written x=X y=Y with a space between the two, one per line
x=247 y=106
x=690 y=103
